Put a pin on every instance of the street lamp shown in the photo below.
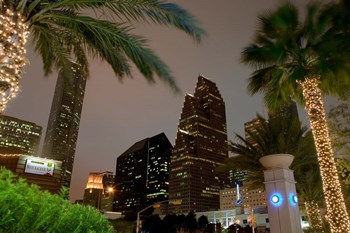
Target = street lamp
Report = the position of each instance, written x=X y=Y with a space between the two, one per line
x=100 y=192
x=252 y=218
x=174 y=202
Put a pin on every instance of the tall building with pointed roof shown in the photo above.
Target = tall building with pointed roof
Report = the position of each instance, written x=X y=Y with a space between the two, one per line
x=63 y=125
x=200 y=146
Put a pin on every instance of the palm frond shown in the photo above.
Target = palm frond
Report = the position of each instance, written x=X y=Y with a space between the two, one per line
x=286 y=50
x=48 y=42
x=281 y=133
x=102 y=28
x=114 y=44
x=160 y=12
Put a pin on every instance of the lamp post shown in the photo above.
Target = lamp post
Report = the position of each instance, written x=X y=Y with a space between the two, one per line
x=174 y=202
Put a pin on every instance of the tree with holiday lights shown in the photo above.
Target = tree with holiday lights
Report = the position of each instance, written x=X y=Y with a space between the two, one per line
x=280 y=135
x=70 y=30
x=339 y=121
x=305 y=59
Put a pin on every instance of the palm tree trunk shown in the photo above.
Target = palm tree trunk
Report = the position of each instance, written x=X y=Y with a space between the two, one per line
x=336 y=210
x=314 y=215
x=13 y=37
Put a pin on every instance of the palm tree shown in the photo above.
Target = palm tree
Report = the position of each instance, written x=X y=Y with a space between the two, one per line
x=71 y=30
x=281 y=135
x=304 y=60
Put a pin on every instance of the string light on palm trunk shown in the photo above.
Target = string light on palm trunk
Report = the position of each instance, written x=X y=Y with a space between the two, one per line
x=339 y=219
x=13 y=37
x=314 y=214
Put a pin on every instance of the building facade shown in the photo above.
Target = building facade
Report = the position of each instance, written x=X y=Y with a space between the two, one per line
x=200 y=146
x=227 y=218
x=43 y=172
x=100 y=190
x=242 y=198
x=63 y=125
x=18 y=136
x=142 y=174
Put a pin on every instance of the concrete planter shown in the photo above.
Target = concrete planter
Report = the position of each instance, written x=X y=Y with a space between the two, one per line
x=276 y=161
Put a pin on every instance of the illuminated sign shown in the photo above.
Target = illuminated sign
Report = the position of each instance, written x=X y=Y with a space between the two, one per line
x=238 y=196
x=39 y=167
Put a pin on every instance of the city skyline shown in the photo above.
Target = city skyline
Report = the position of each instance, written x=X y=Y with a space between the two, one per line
x=114 y=113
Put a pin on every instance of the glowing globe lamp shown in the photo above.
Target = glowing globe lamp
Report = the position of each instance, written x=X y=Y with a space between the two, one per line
x=276 y=199
x=293 y=199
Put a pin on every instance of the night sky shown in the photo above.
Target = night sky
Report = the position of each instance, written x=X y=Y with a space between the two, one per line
x=117 y=114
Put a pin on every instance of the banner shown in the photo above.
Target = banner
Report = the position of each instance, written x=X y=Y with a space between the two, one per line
x=39 y=167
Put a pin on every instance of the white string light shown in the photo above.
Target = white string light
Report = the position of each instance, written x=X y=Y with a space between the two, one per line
x=13 y=36
x=314 y=215
x=336 y=209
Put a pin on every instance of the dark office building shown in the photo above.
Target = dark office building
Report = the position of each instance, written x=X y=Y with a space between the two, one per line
x=63 y=125
x=142 y=174
x=200 y=146
x=18 y=136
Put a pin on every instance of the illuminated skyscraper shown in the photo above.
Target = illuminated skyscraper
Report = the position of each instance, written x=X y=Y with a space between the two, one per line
x=100 y=190
x=142 y=174
x=18 y=136
x=200 y=146
x=63 y=126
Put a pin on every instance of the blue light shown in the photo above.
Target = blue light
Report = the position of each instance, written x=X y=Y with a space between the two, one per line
x=276 y=199
x=238 y=196
x=293 y=199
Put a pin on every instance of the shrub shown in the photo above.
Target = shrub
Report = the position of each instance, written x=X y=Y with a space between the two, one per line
x=25 y=208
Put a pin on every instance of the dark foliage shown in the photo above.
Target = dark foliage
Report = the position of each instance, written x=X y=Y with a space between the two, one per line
x=27 y=209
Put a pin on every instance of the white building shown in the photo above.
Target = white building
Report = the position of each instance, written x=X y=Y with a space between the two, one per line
x=246 y=198
x=229 y=217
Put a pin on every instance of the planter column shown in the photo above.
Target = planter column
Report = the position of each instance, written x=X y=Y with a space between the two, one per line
x=282 y=201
